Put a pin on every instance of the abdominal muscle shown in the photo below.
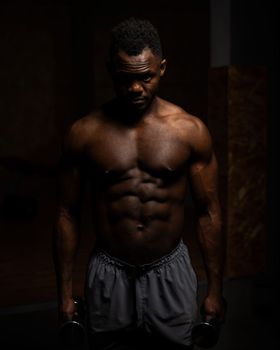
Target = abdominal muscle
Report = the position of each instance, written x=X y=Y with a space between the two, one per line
x=138 y=222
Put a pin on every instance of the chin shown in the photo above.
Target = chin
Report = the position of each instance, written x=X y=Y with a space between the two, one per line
x=140 y=106
x=138 y=109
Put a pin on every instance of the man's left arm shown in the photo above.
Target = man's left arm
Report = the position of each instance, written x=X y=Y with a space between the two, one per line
x=203 y=182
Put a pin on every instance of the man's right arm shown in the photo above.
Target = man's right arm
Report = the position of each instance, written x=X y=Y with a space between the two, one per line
x=66 y=235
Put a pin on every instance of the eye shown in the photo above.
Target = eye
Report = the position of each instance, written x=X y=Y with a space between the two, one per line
x=146 y=78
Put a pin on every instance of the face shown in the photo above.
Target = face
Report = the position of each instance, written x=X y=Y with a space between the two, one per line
x=136 y=78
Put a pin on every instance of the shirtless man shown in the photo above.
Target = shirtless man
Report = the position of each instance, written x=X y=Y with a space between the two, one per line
x=139 y=152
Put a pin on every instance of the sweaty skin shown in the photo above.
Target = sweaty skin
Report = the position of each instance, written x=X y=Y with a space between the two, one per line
x=139 y=153
x=139 y=182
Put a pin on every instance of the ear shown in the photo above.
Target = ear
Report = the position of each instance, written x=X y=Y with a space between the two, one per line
x=162 y=67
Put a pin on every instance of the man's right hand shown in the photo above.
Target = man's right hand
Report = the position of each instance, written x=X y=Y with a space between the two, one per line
x=67 y=310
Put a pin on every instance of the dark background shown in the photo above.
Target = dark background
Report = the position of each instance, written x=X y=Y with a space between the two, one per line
x=52 y=69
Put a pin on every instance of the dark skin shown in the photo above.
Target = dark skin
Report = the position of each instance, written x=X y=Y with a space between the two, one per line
x=139 y=152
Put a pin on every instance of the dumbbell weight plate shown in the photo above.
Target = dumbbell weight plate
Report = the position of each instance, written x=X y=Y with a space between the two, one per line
x=205 y=335
x=72 y=333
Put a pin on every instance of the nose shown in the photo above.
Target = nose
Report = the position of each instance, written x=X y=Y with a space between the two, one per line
x=135 y=87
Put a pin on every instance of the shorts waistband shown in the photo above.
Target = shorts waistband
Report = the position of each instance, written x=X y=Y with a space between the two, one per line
x=140 y=269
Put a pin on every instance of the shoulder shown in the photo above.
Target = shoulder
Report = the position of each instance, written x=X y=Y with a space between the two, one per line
x=181 y=119
x=81 y=131
x=188 y=127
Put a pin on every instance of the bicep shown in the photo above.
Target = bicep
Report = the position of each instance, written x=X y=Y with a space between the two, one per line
x=69 y=186
x=70 y=176
x=203 y=181
x=203 y=170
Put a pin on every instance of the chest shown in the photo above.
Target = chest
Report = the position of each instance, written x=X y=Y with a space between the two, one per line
x=154 y=148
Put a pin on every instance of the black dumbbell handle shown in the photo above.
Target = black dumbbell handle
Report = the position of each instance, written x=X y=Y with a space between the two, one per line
x=72 y=332
x=206 y=333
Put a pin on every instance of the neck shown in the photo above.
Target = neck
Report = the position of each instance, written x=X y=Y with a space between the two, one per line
x=132 y=116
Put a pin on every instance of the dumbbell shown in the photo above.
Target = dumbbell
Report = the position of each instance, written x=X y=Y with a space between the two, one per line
x=72 y=332
x=206 y=333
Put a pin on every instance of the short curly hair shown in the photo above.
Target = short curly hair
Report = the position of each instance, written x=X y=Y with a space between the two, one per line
x=133 y=35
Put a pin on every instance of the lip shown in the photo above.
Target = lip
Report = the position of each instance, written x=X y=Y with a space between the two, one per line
x=137 y=100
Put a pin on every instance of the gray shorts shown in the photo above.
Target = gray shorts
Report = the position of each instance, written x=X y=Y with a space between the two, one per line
x=159 y=298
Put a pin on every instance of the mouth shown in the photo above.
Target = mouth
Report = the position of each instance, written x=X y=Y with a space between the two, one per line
x=137 y=100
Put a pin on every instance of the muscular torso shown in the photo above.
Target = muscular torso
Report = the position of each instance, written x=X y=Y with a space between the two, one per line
x=139 y=176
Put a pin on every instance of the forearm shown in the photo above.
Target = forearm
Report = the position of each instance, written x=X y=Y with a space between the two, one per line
x=212 y=244
x=65 y=246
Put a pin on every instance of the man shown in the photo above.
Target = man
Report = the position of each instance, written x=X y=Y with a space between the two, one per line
x=139 y=152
